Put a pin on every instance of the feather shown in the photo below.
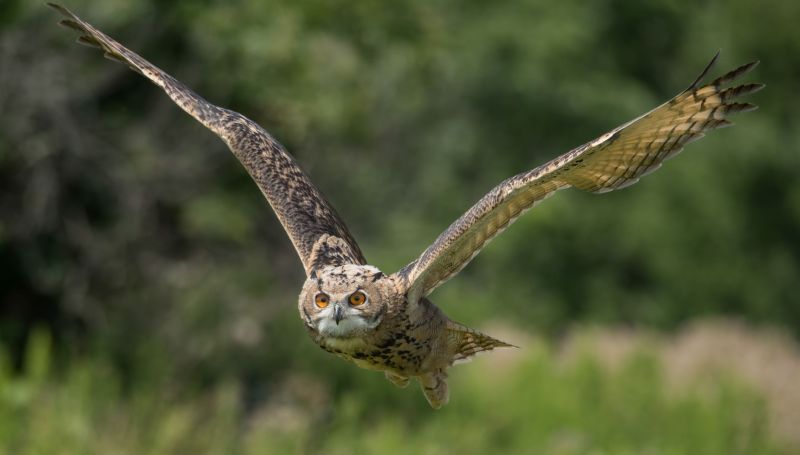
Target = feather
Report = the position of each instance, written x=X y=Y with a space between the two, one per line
x=615 y=160
x=299 y=205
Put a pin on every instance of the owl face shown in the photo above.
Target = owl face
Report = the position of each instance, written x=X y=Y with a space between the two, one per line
x=345 y=302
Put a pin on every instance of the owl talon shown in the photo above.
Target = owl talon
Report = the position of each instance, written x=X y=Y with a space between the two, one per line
x=434 y=386
x=396 y=379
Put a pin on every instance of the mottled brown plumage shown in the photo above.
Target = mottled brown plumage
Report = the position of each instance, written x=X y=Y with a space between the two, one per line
x=310 y=221
x=615 y=160
x=385 y=322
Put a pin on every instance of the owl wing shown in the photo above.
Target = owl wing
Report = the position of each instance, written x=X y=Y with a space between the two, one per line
x=614 y=160
x=316 y=230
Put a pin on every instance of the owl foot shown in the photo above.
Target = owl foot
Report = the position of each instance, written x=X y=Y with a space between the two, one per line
x=434 y=386
x=396 y=379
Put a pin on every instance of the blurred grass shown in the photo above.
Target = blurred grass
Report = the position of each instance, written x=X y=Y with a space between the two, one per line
x=540 y=399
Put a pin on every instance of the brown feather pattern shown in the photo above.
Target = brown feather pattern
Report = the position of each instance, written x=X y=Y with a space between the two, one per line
x=615 y=160
x=310 y=221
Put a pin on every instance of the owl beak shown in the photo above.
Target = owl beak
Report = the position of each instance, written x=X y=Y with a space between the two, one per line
x=338 y=313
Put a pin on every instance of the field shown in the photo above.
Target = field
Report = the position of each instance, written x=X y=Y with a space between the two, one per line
x=715 y=388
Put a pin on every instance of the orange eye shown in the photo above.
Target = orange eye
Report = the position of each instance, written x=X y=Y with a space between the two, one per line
x=357 y=298
x=322 y=300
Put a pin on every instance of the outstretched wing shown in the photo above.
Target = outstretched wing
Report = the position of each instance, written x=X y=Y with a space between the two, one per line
x=615 y=160
x=318 y=234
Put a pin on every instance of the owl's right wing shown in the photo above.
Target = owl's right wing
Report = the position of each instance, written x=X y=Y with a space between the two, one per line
x=615 y=160
x=316 y=230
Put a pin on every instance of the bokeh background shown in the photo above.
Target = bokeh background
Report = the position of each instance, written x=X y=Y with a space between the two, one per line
x=148 y=293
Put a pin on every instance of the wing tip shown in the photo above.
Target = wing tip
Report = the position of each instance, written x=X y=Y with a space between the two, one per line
x=734 y=74
x=73 y=22
x=751 y=65
x=61 y=9
x=88 y=41
x=748 y=89
x=705 y=71
x=736 y=108
x=727 y=77
x=747 y=67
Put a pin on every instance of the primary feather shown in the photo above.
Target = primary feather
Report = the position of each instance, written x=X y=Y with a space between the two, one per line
x=615 y=160
x=318 y=234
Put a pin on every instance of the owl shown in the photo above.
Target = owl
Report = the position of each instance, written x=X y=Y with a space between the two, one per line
x=385 y=322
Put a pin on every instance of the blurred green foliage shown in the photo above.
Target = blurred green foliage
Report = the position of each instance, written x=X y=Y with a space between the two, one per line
x=133 y=235
x=539 y=405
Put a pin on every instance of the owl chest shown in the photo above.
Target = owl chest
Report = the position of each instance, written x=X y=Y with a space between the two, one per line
x=399 y=351
x=405 y=357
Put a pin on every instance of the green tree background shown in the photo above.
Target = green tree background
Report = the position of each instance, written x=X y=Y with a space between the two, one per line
x=133 y=240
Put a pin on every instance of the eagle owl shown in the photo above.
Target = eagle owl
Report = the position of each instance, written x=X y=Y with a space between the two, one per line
x=385 y=322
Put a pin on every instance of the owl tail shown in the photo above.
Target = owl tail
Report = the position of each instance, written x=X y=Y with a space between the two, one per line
x=468 y=342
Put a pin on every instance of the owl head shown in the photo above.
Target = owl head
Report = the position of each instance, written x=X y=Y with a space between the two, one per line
x=346 y=301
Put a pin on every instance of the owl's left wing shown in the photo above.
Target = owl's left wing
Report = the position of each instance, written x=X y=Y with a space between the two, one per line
x=614 y=160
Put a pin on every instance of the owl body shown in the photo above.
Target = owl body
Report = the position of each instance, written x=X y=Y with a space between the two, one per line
x=387 y=332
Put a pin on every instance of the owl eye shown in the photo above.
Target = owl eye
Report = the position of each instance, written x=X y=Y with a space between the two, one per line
x=322 y=300
x=357 y=298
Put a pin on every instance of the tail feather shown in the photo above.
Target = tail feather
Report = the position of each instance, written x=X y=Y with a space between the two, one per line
x=468 y=342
